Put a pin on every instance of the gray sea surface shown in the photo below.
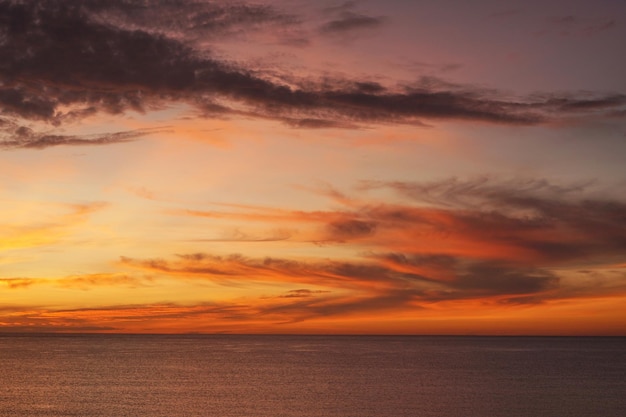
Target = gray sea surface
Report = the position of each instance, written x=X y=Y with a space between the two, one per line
x=311 y=376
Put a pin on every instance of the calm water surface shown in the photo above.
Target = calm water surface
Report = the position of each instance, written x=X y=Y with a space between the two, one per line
x=312 y=376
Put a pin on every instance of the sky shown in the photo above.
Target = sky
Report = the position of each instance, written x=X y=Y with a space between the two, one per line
x=332 y=167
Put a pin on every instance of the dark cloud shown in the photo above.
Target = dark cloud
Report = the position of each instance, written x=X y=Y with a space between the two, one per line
x=22 y=137
x=490 y=278
x=325 y=272
x=530 y=220
x=350 y=229
x=465 y=278
x=573 y=104
x=61 y=61
x=302 y=293
x=308 y=123
x=431 y=260
x=557 y=223
x=311 y=308
x=350 y=21
x=469 y=278
x=189 y=19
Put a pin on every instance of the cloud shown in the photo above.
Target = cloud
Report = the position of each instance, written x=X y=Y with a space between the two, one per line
x=12 y=137
x=191 y=20
x=15 y=283
x=47 y=228
x=454 y=278
x=62 y=61
x=522 y=220
x=583 y=103
x=570 y=25
x=228 y=269
x=375 y=284
x=344 y=19
x=349 y=21
x=491 y=278
x=327 y=226
x=302 y=293
x=462 y=278
x=110 y=318
x=487 y=284
x=320 y=307
x=237 y=235
x=82 y=282
x=351 y=229
x=550 y=223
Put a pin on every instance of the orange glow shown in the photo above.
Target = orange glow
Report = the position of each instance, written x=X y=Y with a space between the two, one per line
x=310 y=174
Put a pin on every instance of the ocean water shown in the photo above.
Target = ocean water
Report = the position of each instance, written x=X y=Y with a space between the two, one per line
x=312 y=376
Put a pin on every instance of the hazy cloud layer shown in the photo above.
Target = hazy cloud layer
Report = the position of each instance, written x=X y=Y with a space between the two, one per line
x=60 y=61
x=451 y=239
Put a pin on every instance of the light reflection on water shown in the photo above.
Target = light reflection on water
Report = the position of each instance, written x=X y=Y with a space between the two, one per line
x=312 y=376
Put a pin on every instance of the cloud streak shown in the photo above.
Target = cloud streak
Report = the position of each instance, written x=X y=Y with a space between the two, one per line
x=81 y=282
x=22 y=137
x=349 y=21
x=569 y=25
x=43 y=232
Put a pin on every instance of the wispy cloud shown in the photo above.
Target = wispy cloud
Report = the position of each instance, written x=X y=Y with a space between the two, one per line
x=408 y=276
x=22 y=137
x=82 y=282
x=345 y=17
x=570 y=25
x=46 y=230
x=350 y=21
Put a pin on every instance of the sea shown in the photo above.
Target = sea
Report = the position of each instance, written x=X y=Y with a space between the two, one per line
x=311 y=376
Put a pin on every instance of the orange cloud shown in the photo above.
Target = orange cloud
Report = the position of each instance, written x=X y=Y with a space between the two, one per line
x=83 y=282
x=531 y=222
x=38 y=232
x=462 y=254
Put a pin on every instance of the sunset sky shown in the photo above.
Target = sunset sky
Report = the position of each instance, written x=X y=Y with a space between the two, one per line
x=373 y=166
